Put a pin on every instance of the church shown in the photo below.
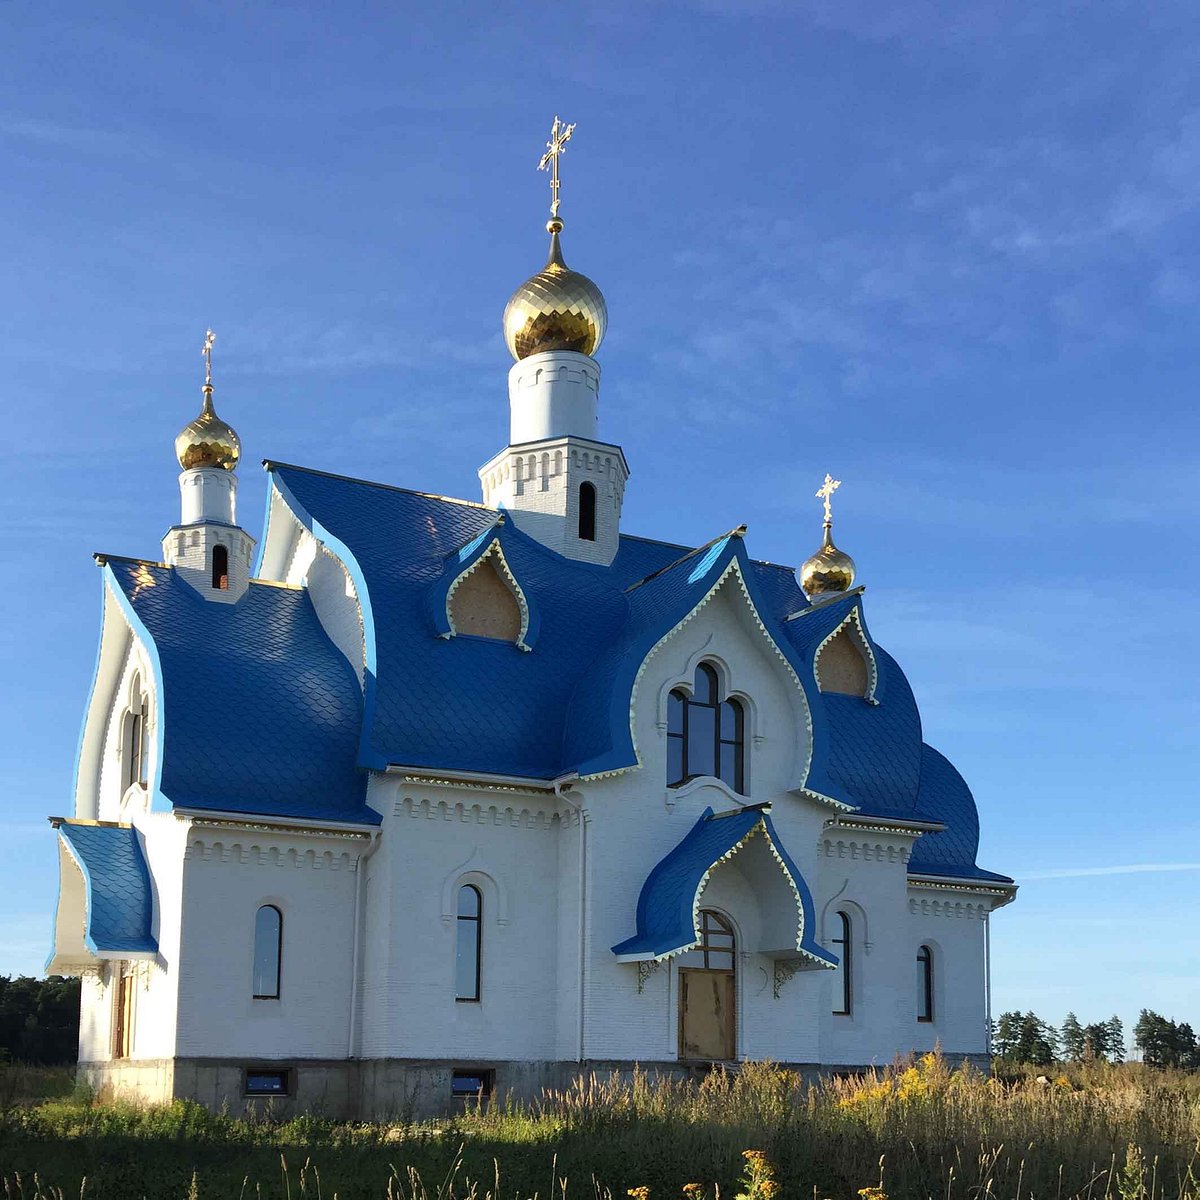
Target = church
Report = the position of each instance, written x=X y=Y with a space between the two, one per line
x=417 y=799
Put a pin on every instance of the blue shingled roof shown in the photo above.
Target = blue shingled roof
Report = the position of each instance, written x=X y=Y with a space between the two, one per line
x=667 y=900
x=117 y=883
x=259 y=711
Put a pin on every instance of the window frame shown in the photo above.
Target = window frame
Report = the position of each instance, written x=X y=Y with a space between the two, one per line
x=712 y=921
x=925 y=1005
x=459 y=920
x=718 y=706
x=220 y=559
x=845 y=982
x=587 y=511
x=278 y=993
x=481 y=1097
x=287 y=1074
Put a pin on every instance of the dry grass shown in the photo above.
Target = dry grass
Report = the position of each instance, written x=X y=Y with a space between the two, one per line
x=918 y=1130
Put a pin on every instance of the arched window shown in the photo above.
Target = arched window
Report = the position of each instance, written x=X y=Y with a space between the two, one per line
x=705 y=734
x=587 y=512
x=135 y=752
x=469 y=949
x=268 y=952
x=717 y=941
x=924 y=984
x=843 y=947
x=220 y=568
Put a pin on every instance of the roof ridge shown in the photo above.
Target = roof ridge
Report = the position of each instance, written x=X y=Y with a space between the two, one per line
x=738 y=531
x=271 y=464
x=103 y=559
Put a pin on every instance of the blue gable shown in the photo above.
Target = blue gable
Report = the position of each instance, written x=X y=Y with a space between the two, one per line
x=119 y=906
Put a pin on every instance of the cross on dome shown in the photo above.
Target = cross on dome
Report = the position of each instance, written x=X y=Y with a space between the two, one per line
x=560 y=135
x=825 y=492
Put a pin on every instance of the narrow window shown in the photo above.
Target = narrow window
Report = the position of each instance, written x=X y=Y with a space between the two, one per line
x=587 y=512
x=842 y=945
x=136 y=748
x=470 y=942
x=268 y=952
x=705 y=734
x=220 y=569
x=924 y=984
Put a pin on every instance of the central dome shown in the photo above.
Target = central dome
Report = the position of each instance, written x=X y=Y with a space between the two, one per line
x=556 y=309
x=208 y=441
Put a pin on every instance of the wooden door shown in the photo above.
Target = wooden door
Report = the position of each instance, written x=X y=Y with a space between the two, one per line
x=123 y=1025
x=707 y=1015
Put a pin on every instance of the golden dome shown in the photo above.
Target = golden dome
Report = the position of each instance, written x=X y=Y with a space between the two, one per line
x=829 y=570
x=208 y=441
x=556 y=309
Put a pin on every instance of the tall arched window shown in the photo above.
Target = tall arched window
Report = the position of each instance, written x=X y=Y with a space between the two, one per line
x=469 y=948
x=924 y=984
x=843 y=947
x=705 y=734
x=268 y=952
x=220 y=568
x=587 y=512
x=135 y=752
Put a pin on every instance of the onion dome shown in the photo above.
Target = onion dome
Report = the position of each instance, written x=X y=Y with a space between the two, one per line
x=829 y=570
x=556 y=309
x=208 y=441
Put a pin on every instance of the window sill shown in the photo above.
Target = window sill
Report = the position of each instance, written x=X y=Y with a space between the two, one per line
x=676 y=791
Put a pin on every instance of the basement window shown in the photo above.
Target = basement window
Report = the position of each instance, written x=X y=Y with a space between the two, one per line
x=471 y=1086
x=268 y=1082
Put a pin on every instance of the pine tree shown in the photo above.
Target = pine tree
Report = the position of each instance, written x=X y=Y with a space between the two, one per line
x=1071 y=1038
x=1008 y=1034
x=1114 y=1042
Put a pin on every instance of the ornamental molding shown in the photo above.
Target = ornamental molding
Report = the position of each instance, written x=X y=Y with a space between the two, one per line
x=785 y=968
x=645 y=968
x=248 y=828
x=852 y=625
x=494 y=555
x=544 y=819
x=864 y=850
x=928 y=907
x=249 y=853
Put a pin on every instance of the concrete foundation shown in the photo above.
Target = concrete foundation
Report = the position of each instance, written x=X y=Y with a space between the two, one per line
x=391 y=1089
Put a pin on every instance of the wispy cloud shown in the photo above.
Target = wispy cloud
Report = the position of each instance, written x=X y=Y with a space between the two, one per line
x=1124 y=869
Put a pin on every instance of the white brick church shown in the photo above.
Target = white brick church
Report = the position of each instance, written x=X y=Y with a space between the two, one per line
x=425 y=797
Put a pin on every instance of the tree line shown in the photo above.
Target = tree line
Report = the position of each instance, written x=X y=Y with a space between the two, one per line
x=1025 y=1038
x=39 y=1020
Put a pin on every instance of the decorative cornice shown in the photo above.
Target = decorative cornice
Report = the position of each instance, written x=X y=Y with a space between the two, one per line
x=864 y=850
x=254 y=854
x=949 y=908
x=234 y=823
x=539 y=819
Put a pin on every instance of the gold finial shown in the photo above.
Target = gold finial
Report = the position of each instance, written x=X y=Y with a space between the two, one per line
x=560 y=135
x=830 y=569
x=825 y=492
x=209 y=339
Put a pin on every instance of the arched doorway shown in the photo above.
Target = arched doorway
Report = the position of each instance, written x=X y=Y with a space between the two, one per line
x=708 y=992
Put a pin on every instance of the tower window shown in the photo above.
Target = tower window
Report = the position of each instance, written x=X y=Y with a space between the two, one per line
x=924 y=984
x=843 y=983
x=587 y=512
x=469 y=949
x=220 y=568
x=268 y=952
x=705 y=734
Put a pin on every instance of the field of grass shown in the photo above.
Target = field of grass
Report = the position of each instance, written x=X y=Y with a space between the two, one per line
x=916 y=1131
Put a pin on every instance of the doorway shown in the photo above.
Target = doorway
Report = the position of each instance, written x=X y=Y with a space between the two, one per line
x=708 y=993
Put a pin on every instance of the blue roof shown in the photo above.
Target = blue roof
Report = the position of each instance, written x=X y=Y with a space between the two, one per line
x=117 y=883
x=259 y=711
x=666 y=905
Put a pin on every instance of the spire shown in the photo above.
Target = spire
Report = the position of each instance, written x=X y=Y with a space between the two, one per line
x=830 y=569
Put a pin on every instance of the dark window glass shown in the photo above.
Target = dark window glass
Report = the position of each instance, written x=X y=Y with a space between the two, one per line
x=268 y=952
x=467 y=1086
x=843 y=948
x=924 y=984
x=266 y=1083
x=470 y=935
x=705 y=736
x=716 y=941
x=220 y=568
x=587 y=512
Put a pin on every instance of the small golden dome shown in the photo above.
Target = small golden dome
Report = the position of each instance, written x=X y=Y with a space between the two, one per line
x=829 y=570
x=208 y=441
x=556 y=309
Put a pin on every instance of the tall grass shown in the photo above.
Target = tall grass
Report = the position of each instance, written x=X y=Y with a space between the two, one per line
x=917 y=1130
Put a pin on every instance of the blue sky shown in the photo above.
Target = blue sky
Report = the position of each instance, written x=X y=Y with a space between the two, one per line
x=946 y=252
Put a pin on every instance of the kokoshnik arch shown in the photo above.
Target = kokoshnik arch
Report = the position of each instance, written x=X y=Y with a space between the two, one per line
x=432 y=797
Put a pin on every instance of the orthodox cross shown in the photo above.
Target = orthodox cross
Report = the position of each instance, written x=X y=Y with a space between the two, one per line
x=560 y=135
x=825 y=492
x=209 y=338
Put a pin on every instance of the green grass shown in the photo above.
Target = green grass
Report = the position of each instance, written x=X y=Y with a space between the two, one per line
x=939 y=1134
